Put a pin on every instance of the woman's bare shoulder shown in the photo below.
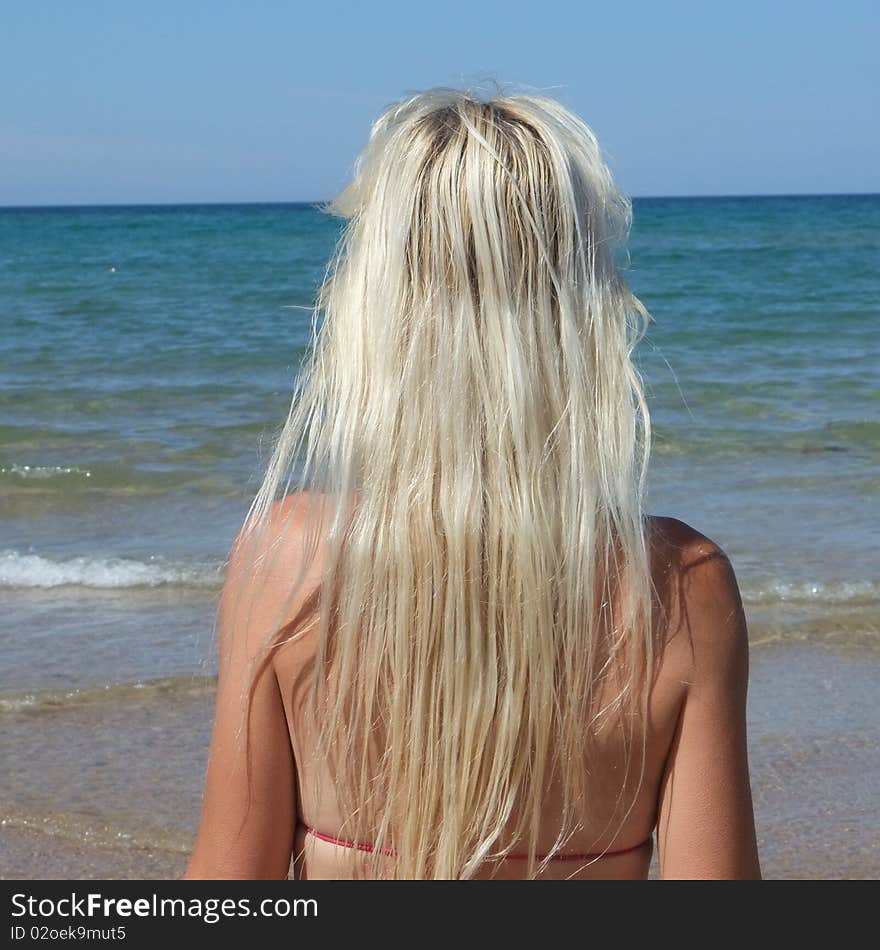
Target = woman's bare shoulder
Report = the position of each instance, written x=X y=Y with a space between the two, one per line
x=679 y=543
x=699 y=591
x=273 y=566
x=274 y=539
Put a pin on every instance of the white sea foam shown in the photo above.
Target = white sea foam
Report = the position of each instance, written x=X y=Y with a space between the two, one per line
x=836 y=592
x=18 y=570
x=44 y=471
x=32 y=570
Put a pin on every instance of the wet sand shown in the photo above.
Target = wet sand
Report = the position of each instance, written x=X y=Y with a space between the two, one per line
x=33 y=855
x=815 y=758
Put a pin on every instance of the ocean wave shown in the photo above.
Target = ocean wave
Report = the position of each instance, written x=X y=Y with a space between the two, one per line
x=150 y=690
x=724 y=440
x=110 y=477
x=31 y=570
x=811 y=592
x=43 y=472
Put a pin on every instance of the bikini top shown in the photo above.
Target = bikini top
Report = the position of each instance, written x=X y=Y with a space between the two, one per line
x=358 y=846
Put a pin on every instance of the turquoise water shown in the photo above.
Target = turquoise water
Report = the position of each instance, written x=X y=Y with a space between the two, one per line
x=148 y=355
x=146 y=359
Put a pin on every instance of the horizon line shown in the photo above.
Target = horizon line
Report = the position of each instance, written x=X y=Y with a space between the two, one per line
x=315 y=203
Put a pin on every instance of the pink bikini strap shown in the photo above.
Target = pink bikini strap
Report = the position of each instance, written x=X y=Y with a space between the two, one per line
x=592 y=856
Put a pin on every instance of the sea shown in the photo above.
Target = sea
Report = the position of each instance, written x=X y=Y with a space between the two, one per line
x=147 y=360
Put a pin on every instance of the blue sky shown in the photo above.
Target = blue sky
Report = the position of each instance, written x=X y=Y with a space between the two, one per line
x=264 y=100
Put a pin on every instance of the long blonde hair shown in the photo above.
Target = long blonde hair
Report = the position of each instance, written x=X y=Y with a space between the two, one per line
x=470 y=418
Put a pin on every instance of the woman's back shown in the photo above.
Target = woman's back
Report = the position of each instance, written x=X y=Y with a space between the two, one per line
x=460 y=641
x=691 y=789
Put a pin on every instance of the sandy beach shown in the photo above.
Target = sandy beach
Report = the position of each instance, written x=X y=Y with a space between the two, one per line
x=814 y=746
